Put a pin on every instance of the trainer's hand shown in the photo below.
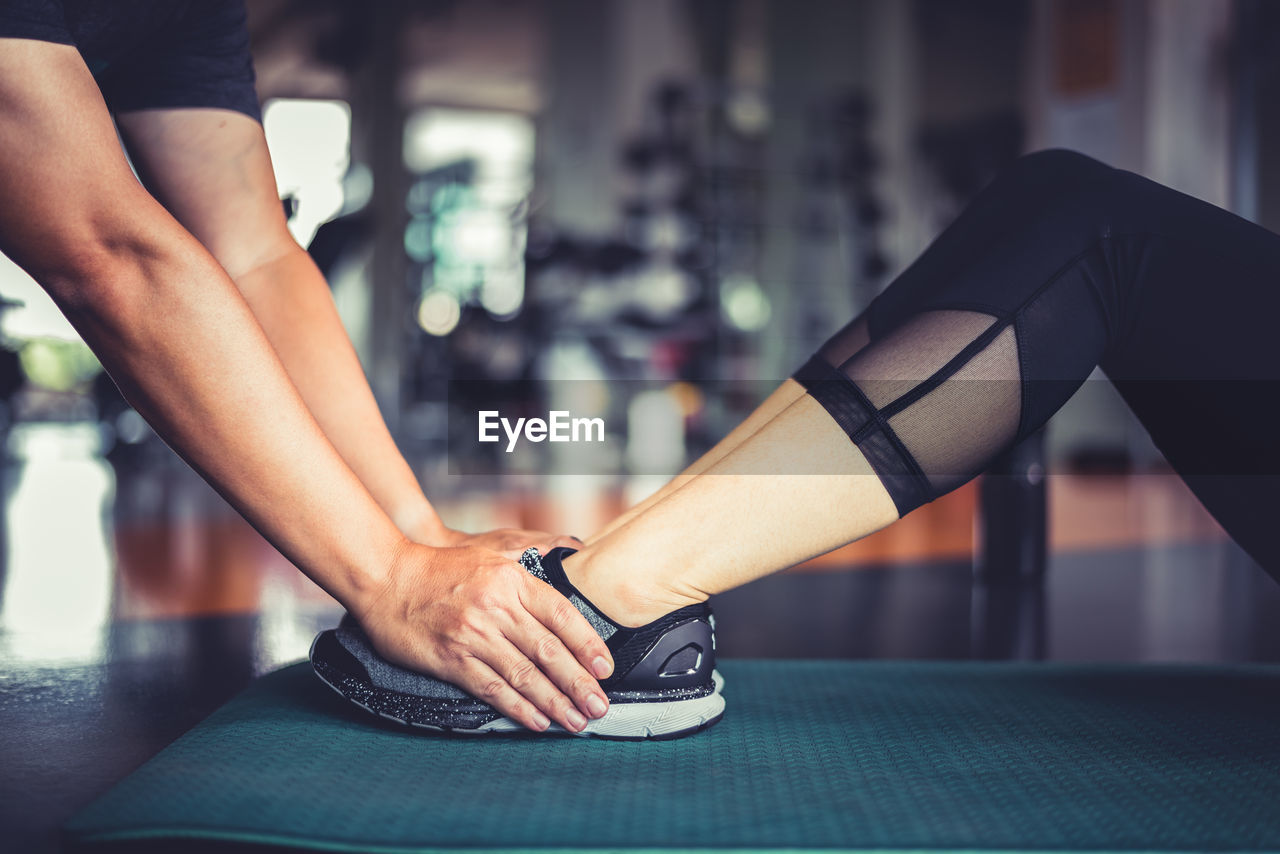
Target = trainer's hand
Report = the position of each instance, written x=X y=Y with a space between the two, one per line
x=510 y=541
x=476 y=618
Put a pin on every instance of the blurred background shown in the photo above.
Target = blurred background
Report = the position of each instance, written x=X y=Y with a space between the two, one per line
x=664 y=205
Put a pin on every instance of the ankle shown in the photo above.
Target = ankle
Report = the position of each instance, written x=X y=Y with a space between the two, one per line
x=628 y=597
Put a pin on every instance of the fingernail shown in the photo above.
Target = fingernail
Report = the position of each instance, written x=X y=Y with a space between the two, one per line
x=540 y=721
x=576 y=721
x=601 y=667
x=596 y=706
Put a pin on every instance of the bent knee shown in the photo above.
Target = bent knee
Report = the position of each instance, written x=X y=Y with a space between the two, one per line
x=1063 y=193
x=1056 y=172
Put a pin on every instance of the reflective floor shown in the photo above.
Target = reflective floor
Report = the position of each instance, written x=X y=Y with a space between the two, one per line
x=133 y=601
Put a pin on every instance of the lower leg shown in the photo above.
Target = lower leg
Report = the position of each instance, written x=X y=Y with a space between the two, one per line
x=795 y=488
x=884 y=426
x=782 y=397
x=1060 y=264
x=842 y=347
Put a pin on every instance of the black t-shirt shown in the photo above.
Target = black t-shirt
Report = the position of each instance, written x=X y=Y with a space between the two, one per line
x=149 y=54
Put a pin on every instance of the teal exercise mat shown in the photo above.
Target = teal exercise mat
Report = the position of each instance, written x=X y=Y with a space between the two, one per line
x=810 y=755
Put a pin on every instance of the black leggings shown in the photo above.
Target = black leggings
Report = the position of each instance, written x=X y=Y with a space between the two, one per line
x=1060 y=265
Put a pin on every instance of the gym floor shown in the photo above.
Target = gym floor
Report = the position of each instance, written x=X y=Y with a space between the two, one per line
x=133 y=602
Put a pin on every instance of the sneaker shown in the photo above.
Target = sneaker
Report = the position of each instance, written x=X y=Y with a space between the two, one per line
x=664 y=683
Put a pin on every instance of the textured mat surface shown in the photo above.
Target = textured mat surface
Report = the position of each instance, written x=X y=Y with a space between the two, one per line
x=831 y=755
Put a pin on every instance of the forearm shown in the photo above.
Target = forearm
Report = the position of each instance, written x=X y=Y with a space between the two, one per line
x=291 y=301
x=165 y=318
x=172 y=330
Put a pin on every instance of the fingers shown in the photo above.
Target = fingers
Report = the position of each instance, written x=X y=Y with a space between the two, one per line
x=538 y=677
x=556 y=663
x=501 y=634
x=529 y=681
x=540 y=540
x=511 y=542
x=544 y=541
x=482 y=681
x=546 y=544
x=564 y=621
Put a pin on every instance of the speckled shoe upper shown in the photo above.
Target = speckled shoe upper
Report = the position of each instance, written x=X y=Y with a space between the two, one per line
x=671 y=660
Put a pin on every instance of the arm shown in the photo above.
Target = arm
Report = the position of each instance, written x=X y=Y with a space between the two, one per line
x=171 y=328
x=212 y=171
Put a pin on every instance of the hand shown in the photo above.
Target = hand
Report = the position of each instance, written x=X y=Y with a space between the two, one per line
x=509 y=541
x=476 y=618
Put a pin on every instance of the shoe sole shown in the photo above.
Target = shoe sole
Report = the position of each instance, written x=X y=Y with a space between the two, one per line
x=625 y=721
x=654 y=721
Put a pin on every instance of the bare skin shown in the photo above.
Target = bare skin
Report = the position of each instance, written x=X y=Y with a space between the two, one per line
x=212 y=171
x=783 y=487
x=201 y=314
x=780 y=399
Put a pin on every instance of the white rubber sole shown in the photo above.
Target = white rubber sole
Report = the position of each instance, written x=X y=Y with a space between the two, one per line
x=636 y=720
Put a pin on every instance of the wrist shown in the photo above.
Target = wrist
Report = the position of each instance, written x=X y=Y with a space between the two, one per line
x=373 y=581
x=420 y=523
x=435 y=536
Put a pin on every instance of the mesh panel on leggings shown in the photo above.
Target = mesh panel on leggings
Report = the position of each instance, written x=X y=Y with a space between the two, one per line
x=848 y=341
x=929 y=403
x=955 y=429
x=914 y=352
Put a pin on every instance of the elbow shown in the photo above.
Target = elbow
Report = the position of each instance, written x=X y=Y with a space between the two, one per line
x=81 y=270
x=94 y=275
